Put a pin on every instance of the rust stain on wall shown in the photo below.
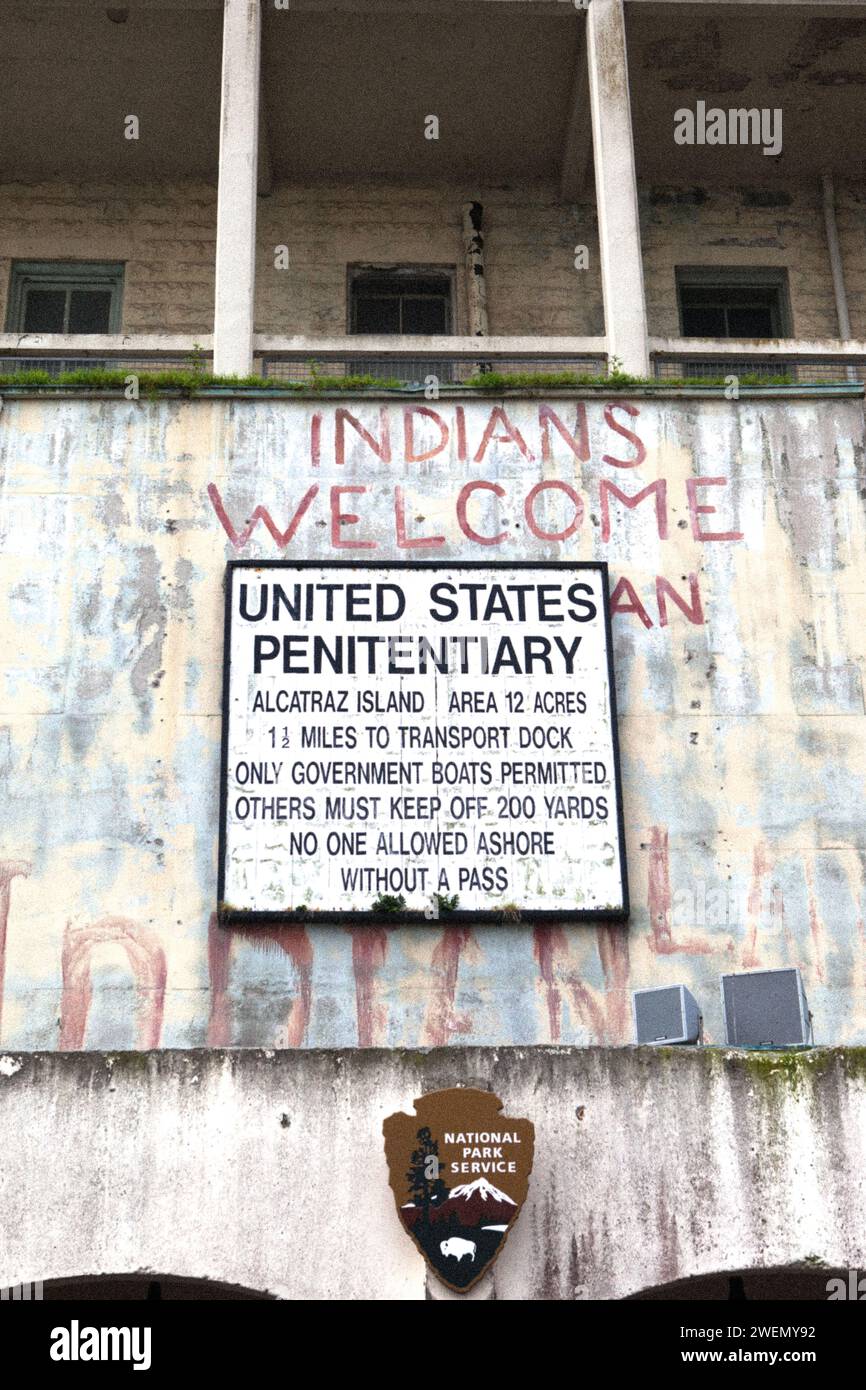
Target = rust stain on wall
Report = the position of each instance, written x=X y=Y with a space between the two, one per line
x=294 y=1006
x=369 y=949
x=760 y=867
x=547 y=944
x=442 y=1022
x=9 y=869
x=146 y=961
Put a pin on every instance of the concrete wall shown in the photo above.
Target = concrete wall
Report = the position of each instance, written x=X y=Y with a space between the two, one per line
x=761 y=226
x=650 y=1166
x=739 y=665
x=530 y=236
x=166 y=233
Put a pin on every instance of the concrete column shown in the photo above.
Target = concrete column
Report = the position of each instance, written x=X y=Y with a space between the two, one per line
x=616 y=186
x=835 y=253
x=476 y=287
x=236 y=200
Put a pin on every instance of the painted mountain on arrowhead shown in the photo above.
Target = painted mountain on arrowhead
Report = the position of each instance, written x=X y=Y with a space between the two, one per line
x=468 y=1205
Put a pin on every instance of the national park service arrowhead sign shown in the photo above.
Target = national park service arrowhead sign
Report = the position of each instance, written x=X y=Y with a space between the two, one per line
x=459 y=1170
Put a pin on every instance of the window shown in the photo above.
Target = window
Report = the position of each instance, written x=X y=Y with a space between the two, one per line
x=64 y=297
x=733 y=302
x=400 y=299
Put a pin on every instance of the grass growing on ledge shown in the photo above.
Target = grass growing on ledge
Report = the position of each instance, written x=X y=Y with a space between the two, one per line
x=190 y=382
x=149 y=382
x=178 y=379
x=494 y=381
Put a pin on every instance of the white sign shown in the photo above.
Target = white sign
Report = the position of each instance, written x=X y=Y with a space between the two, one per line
x=426 y=738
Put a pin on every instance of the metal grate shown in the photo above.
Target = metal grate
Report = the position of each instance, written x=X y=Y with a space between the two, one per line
x=415 y=371
x=56 y=366
x=798 y=371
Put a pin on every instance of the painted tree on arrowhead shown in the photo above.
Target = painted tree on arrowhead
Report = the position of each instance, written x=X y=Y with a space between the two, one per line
x=425 y=1185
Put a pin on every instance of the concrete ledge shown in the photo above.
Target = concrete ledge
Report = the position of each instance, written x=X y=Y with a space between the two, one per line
x=266 y=1169
x=605 y=392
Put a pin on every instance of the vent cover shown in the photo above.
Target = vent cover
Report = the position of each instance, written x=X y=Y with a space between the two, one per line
x=765 y=1008
x=668 y=1015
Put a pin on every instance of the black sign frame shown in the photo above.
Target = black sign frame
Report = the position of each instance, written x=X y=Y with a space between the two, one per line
x=228 y=916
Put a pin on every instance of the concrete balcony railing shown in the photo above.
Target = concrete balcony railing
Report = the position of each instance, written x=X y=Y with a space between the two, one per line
x=57 y=353
x=452 y=361
x=409 y=360
x=786 y=360
x=444 y=361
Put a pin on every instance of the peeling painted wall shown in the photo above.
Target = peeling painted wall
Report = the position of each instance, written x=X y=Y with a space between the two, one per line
x=700 y=1161
x=739 y=664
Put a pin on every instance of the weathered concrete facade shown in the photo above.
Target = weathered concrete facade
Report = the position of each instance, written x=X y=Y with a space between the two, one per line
x=165 y=235
x=738 y=654
x=650 y=1166
x=778 y=226
x=150 y=1057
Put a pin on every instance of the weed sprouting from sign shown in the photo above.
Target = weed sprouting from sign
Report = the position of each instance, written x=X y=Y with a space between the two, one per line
x=388 y=902
x=445 y=903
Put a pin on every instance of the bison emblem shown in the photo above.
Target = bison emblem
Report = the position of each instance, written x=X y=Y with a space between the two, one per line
x=458 y=1248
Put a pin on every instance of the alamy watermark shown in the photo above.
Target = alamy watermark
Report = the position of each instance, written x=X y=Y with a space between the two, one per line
x=735 y=126
x=853 y=1288
x=706 y=904
x=77 y=1343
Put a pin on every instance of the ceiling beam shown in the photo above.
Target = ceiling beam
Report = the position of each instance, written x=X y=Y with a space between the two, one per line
x=264 y=168
x=565 y=8
x=577 y=148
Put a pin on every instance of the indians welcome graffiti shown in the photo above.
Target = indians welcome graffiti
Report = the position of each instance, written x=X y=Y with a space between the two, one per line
x=415 y=498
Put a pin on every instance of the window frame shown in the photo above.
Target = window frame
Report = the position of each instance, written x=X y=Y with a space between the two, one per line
x=66 y=276
x=356 y=271
x=728 y=277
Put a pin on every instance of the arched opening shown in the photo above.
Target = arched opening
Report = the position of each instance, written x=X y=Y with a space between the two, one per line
x=793 y=1283
x=146 y=1287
